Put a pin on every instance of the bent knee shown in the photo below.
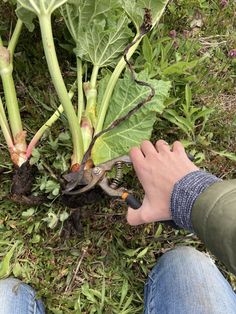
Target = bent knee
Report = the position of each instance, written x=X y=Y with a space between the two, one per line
x=13 y=287
x=10 y=285
x=186 y=254
x=183 y=259
x=17 y=297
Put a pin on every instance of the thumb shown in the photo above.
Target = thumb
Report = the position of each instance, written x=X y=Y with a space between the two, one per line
x=137 y=216
x=134 y=216
x=147 y=213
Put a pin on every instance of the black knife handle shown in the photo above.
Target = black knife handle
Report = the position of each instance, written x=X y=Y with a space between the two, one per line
x=133 y=202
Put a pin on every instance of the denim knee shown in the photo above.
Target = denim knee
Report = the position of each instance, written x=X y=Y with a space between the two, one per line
x=11 y=286
x=185 y=280
x=17 y=298
x=188 y=255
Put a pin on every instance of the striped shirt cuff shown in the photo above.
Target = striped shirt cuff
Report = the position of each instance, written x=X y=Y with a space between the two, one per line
x=185 y=193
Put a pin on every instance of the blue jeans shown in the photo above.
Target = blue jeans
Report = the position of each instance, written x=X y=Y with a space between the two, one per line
x=18 y=298
x=184 y=281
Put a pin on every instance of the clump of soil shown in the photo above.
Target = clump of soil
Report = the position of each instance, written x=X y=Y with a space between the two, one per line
x=73 y=225
x=22 y=183
x=79 y=200
x=79 y=204
x=22 y=180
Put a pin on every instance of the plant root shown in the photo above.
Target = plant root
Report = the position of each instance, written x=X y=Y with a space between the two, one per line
x=22 y=183
x=22 y=180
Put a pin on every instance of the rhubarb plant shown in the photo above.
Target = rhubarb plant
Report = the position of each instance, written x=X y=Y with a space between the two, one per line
x=10 y=118
x=105 y=35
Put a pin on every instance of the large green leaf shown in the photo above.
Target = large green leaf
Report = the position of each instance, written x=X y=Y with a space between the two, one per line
x=78 y=14
x=135 y=10
x=119 y=141
x=128 y=93
x=40 y=7
x=101 y=46
x=27 y=9
x=139 y=127
x=99 y=28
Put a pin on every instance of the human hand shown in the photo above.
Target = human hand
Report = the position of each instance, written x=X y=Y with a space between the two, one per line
x=158 y=169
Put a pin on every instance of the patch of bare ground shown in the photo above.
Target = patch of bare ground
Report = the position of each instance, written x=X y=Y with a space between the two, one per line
x=225 y=104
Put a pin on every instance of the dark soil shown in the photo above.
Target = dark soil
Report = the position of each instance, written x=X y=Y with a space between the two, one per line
x=73 y=225
x=22 y=182
x=77 y=201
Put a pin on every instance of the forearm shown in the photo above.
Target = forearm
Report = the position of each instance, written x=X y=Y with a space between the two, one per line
x=207 y=205
x=185 y=193
x=214 y=220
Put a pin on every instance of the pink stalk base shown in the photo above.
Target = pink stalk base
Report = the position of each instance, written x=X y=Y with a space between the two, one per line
x=31 y=147
x=18 y=152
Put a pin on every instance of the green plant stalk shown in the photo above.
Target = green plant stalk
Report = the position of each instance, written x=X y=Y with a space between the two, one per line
x=93 y=80
x=3 y=115
x=91 y=95
x=55 y=72
x=11 y=99
x=5 y=127
x=42 y=130
x=117 y=71
x=6 y=134
x=47 y=125
x=87 y=132
x=81 y=105
x=14 y=38
x=111 y=85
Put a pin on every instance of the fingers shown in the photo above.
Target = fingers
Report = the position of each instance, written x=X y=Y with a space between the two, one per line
x=136 y=156
x=162 y=146
x=178 y=148
x=137 y=159
x=148 y=149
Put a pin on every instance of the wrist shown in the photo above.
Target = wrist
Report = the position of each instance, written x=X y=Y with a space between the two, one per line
x=185 y=193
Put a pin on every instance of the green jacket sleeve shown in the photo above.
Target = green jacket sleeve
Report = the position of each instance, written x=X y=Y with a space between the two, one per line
x=214 y=221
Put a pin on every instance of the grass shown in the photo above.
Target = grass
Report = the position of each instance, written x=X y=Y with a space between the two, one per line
x=103 y=268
